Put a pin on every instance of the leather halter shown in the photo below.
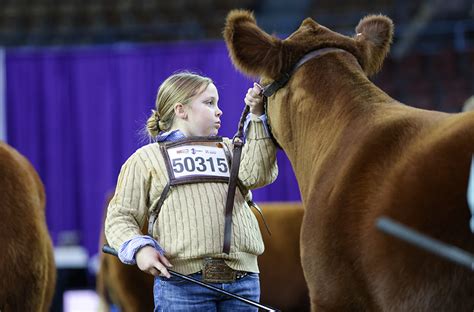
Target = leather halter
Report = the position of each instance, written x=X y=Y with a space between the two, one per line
x=284 y=77
x=276 y=85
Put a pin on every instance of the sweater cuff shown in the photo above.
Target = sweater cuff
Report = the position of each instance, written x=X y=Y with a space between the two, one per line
x=256 y=127
x=129 y=249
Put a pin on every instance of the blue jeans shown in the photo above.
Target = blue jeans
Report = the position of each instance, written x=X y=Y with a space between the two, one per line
x=176 y=294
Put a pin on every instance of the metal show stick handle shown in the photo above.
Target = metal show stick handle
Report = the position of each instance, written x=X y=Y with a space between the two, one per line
x=425 y=242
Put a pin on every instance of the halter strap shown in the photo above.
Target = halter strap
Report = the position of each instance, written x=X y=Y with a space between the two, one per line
x=284 y=77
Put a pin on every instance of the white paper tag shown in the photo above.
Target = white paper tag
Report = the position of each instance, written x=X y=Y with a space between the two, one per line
x=198 y=161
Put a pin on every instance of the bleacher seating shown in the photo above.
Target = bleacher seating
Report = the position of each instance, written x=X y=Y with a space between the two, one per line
x=435 y=73
x=49 y=22
x=436 y=81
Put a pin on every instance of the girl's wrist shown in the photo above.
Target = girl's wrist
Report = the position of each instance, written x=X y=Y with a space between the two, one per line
x=256 y=112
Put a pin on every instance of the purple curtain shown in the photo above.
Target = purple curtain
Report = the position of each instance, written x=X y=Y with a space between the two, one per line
x=77 y=113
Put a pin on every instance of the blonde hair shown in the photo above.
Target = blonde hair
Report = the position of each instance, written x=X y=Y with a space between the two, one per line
x=181 y=87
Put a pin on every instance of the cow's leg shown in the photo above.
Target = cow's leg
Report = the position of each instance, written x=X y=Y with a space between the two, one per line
x=334 y=281
x=424 y=288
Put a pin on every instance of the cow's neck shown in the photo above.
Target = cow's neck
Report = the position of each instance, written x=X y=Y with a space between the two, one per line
x=330 y=103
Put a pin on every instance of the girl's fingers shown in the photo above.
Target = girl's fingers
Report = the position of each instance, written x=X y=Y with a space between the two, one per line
x=253 y=96
x=162 y=269
x=154 y=272
x=165 y=261
x=258 y=88
x=254 y=92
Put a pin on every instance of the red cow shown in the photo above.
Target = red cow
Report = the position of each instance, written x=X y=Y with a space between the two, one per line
x=27 y=269
x=358 y=154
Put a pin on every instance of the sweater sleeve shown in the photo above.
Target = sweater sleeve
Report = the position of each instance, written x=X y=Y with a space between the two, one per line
x=258 y=165
x=127 y=211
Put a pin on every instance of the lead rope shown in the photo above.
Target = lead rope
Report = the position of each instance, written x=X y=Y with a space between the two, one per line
x=237 y=140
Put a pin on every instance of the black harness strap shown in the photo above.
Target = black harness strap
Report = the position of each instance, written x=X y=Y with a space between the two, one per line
x=154 y=214
x=155 y=211
x=229 y=205
x=234 y=182
x=234 y=176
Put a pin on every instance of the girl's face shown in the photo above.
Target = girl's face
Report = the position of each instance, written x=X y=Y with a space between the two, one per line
x=203 y=114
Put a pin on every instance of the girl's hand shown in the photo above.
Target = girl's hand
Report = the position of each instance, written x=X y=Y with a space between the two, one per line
x=254 y=100
x=149 y=260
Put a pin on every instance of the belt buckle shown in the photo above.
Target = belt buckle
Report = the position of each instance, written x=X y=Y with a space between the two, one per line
x=217 y=271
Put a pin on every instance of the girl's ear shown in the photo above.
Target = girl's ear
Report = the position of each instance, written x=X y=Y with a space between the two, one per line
x=374 y=36
x=180 y=111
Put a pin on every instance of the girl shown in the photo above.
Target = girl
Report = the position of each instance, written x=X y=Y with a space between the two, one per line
x=179 y=183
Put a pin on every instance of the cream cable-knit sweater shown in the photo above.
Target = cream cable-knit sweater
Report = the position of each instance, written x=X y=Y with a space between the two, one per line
x=190 y=225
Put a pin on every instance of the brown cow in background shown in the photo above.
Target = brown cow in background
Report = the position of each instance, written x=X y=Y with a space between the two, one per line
x=27 y=269
x=358 y=154
x=121 y=285
x=282 y=281
x=281 y=276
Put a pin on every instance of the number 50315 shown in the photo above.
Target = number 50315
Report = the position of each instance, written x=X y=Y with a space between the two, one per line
x=199 y=164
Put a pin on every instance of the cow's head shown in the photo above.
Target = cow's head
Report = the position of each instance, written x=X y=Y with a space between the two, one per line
x=256 y=53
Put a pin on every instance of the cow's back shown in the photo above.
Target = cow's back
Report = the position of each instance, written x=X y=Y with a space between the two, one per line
x=26 y=262
x=427 y=191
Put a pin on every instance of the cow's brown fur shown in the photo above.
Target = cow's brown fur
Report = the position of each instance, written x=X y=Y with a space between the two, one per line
x=124 y=286
x=282 y=283
x=359 y=154
x=281 y=275
x=27 y=271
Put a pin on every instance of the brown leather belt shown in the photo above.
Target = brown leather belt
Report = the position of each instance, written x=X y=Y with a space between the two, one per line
x=217 y=271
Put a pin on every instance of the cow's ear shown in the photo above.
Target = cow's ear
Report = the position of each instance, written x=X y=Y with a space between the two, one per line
x=373 y=37
x=253 y=51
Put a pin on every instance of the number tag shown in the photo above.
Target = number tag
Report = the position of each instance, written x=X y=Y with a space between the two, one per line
x=198 y=163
